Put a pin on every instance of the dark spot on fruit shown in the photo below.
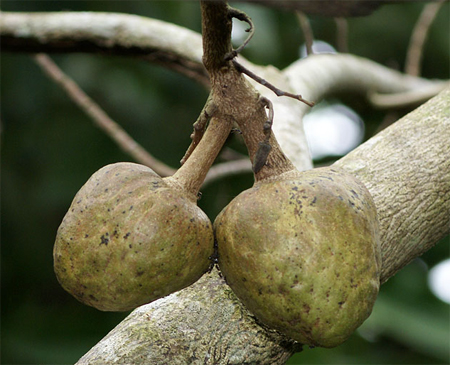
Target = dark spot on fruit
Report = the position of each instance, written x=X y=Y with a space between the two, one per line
x=93 y=298
x=140 y=273
x=130 y=245
x=104 y=240
x=306 y=308
x=127 y=235
x=106 y=190
x=131 y=207
x=86 y=235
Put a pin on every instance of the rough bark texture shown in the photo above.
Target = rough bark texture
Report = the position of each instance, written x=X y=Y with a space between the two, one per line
x=203 y=324
x=225 y=333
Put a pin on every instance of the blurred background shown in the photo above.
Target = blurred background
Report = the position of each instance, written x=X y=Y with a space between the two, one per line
x=49 y=148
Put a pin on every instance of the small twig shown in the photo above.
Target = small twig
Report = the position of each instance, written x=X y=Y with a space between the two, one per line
x=419 y=36
x=240 y=15
x=200 y=127
x=100 y=118
x=305 y=25
x=341 y=35
x=267 y=84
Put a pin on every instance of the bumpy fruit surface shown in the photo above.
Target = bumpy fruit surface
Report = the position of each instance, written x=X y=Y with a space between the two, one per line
x=130 y=238
x=303 y=254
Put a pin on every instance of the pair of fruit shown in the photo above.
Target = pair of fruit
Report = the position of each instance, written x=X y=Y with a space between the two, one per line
x=300 y=251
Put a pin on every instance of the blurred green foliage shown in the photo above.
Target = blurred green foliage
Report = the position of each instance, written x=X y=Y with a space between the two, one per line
x=50 y=148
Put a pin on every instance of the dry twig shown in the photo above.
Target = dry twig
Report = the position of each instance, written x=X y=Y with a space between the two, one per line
x=419 y=36
x=307 y=31
x=100 y=118
x=267 y=84
x=341 y=35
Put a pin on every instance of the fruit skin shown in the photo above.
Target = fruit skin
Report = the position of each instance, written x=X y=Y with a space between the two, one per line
x=303 y=254
x=130 y=238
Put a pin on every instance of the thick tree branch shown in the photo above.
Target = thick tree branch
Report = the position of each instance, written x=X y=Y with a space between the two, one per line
x=209 y=313
x=105 y=33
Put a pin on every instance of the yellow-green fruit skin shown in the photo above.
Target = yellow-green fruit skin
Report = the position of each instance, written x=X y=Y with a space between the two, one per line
x=129 y=238
x=303 y=254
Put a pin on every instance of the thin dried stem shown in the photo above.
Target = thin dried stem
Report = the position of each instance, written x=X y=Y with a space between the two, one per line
x=419 y=36
x=99 y=117
x=267 y=84
x=307 y=31
x=240 y=15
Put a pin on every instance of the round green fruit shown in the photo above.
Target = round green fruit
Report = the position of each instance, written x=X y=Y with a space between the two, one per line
x=129 y=238
x=303 y=254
